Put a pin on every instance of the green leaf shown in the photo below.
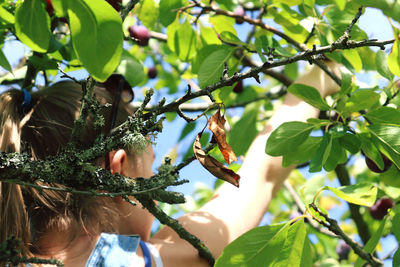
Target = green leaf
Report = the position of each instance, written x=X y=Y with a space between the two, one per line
x=388 y=137
x=208 y=36
x=384 y=115
x=396 y=225
x=202 y=54
x=393 y=59
x=240 y=140
x=388 y=7
x=354 y=58
x=311 y=187
x=148 y=13
x=254 y=248
x=96 y=31
x=185 y=40
x=296 y=251
x=189 y=127
x=361 y=99
x=258 y=46
x=340 y=4
x=6 y=16
x=60 y=8
x=223 y=23
x=302 y=153
x=230 y=38
x=381 y=65
x=322 y=154
x=292 y=70
x=391 y=177
x=370 y=150
x=273 y=245
x=372 y=243
x=363 y=194
x=289 y=2
x=336 y=156
x=396 y=258
x=350 y=142
x=32 y=25
x=337 y=130
x=308 y=94
x=345 y=87
x=131 y=69
x=289 y=20
x=388 y=134
x=43 y=62
x=210 y=70
x=226 y=4
x=287 y=137
x=4 y=62
x=167 y=13
x=171 y=31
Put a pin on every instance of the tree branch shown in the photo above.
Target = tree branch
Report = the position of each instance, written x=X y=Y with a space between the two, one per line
x=149 y=204
x=253 y=73
x=80 y=122
x=333 y=226
x=195 y=107
x=238 y=54
x=247 y=61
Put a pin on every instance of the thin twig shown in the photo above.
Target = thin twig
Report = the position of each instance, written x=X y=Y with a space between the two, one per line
x=87 y=98
x=346 y=35
x=177 y=227
x=196 y=107
x=66 y=75
x=333 y=226
x=127 y=8
x=247 y=61
x=302 y=208
x=310 y=35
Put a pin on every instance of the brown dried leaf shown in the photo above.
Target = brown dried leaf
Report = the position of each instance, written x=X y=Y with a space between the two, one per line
x=216 y=125
x=213 y=165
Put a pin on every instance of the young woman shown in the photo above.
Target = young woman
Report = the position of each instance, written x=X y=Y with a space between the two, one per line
x=73 y=228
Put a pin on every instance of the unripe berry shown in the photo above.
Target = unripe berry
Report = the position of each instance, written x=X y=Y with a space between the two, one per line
x=380 y=208
x=140 y=33
x=152 y=72
x=238 y=87
x=373 y=167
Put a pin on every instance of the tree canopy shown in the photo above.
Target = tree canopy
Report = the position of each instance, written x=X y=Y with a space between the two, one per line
x=203 y=57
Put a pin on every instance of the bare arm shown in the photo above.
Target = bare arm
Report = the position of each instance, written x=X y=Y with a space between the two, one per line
x=234 y=211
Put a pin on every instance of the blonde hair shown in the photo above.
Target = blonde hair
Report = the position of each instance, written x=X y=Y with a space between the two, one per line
x=25 y=212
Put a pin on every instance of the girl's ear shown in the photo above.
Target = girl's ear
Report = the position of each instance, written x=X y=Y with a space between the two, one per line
x=117 y=160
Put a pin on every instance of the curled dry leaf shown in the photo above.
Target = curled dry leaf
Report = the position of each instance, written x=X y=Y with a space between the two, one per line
x=213 y=165
x=216 y=125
